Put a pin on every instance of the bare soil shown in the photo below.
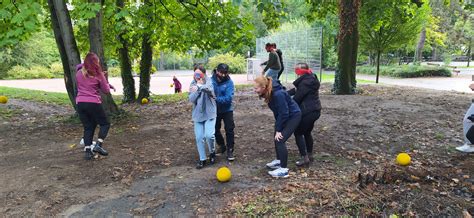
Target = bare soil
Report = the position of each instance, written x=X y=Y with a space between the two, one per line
x=150 y=169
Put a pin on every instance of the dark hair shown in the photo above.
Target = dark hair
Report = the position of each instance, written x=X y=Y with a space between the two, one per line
x=274 y=45
x=268 y=44
x=200 y=67
x=223 y=68
x=302 y=65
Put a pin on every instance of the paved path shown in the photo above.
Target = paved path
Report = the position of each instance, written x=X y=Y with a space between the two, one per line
x=159 y=84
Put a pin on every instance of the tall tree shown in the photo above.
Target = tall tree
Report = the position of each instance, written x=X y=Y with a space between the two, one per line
x=348 y=39
x=390 y=25
x=96 y=41
x=64 y=35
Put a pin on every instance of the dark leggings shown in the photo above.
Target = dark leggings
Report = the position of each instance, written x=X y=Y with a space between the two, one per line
x=92 y=114
x=280 y=146
x=303 y=137
x=470 y=135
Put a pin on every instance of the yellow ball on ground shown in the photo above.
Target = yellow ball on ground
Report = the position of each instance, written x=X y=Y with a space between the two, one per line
x=3 y=99
x=223 y=174
x=144 y=101
x=403 y=159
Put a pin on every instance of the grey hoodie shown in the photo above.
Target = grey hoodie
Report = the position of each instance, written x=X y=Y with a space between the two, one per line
x=204 y=102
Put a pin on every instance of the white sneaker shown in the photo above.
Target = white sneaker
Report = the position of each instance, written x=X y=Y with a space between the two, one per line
x=82 y=142
x=465 y=148
x=279 y=173
x=275 y=164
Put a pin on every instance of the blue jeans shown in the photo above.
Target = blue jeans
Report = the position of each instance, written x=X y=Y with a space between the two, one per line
x=272 y=73
x=204 y=131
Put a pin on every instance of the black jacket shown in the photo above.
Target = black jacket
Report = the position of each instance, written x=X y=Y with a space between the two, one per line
x=306 y=93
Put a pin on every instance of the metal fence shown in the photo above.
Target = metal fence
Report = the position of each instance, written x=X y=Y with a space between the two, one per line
x=299 y=46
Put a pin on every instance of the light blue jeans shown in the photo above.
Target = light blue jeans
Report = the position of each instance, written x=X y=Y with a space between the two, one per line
x=272 y=73
x=204 y=131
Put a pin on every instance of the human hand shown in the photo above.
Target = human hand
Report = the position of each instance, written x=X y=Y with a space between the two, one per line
x=193 y=89
x=278 y=136
x=471 y=87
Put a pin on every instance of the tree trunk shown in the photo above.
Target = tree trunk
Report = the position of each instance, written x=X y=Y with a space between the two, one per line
x=162 y=60
x=348 y=41
x=434 y=54
x=64 y=35
x=96 y=41
x=378 y=67
x=125 y=64
x=420 y=45
x=68 y=80
x=469 y=52
x=145 y=67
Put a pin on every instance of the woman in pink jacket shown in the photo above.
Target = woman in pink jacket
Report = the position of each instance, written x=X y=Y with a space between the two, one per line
x=90 y=81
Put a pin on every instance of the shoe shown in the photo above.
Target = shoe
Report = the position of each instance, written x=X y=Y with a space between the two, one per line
x=212 y=157
x=275 y=164
x=200 y=164
x=230 y=155
x=303 y=161
x=99 y=149
x=221 y=150
x=279 y=173
x=311 y=157
x=88 y=154
x=83 y=144
x=465 y=148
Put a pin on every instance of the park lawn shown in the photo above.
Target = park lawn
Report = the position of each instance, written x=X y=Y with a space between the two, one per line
x=325 y=78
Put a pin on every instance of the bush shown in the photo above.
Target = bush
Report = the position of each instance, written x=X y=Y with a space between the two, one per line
x=236 y=63
x=114 y=72
x=57 y=70
x=406 y=71
x=35 y=72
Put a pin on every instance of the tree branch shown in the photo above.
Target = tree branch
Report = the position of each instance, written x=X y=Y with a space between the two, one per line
x=190 y=12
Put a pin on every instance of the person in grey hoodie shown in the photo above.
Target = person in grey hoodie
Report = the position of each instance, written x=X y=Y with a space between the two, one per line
x=201 y=94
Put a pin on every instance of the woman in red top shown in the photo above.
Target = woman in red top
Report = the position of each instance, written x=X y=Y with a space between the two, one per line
x=90 y=81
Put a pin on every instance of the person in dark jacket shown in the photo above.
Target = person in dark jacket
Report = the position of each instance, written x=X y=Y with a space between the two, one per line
x=306 y=94
x=273 y=64
x=287 y=117
x=224 y=91
x=280 y=58
x=177 y=85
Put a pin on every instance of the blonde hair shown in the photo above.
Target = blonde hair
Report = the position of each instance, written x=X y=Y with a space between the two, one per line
x=266 y=83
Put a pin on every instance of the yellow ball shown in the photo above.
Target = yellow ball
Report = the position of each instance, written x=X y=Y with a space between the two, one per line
x=144 y=101
x=171 y=85
x=3 y=99
x=403 y=159
x=223 y=174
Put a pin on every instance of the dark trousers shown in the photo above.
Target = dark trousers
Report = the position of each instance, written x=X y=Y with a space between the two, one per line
x=177 y=91
x=280 y=72
x=229 y=126
x=304 y=139
x=280 y=146
x=90 y=115
x=470 y=135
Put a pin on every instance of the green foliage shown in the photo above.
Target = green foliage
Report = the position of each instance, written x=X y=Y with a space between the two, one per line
x=390 y=24
x=406 y=71
x=18 y=20
x=35 y=72
x=57 y=70
x=114 y=72
x=237 y=63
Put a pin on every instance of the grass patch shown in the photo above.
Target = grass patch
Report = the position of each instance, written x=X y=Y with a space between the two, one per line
x=169 y=98
x=325 y=78
x=35 y=95
x=7 y=113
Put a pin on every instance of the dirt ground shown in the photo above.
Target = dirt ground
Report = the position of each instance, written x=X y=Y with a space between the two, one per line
x=150 y=169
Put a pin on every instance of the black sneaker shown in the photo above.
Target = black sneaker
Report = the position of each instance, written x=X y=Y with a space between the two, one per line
x=221 y=150
x=200 y=164
x=212 y=157
x=230 y=155
x=99 y=149
x=88 y=154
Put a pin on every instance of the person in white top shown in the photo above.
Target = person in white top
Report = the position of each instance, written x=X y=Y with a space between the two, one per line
x=468 y=129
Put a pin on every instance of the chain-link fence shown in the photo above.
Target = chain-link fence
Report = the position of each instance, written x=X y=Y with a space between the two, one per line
x=299 y=46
